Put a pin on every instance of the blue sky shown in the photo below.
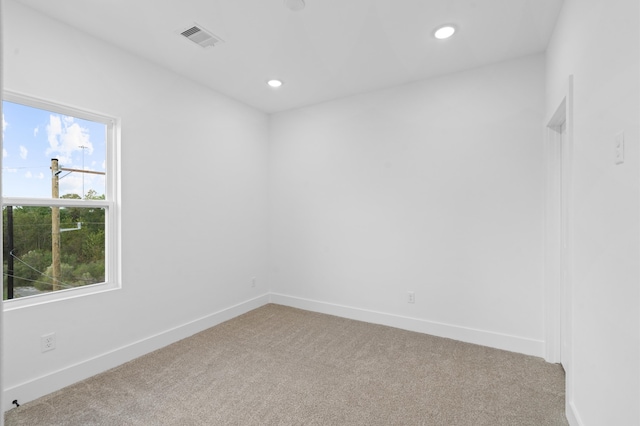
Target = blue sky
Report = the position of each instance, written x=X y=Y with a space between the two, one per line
x=32 y=137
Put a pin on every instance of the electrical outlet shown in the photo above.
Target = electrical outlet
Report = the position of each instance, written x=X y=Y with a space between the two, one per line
x=48 y=342
x=411 y=297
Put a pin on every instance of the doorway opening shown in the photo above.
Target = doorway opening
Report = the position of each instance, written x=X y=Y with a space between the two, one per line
x=558 y=238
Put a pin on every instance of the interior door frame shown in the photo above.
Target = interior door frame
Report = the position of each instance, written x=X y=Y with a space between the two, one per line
x=558 y=232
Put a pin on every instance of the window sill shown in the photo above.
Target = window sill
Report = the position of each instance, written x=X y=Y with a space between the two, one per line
x=46 y=298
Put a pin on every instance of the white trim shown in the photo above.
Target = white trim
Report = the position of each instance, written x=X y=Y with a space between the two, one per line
x=112 y=204
x=54 y=296
x=56 y=202
x=58 y=108
x=2 y=370
x=552 y=246
x=572 y=415
x=51 y=382
x=470 y=335
x=559 y=289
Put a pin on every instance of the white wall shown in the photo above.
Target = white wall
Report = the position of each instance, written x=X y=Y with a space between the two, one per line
x=194 y=169
x=599 y=43
x=434 y=187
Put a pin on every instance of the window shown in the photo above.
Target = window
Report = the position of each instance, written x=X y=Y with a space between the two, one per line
x=59 y=210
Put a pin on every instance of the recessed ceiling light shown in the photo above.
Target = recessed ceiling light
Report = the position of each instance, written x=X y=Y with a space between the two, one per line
x=445 y=31
x=274 y=83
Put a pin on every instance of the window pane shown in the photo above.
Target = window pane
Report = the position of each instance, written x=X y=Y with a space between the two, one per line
x=29 y=237
x=34 y=136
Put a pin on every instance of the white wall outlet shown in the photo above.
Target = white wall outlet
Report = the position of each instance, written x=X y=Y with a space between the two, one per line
x=619 y=147
x=48 y=342
x=411 y=297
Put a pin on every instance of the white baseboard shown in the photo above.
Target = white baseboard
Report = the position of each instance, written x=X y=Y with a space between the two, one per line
x=572 y=415
x=479 y=337
x=59 y=379
x=51 y=382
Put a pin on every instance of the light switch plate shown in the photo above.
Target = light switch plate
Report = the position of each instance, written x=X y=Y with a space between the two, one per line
x=619 y=147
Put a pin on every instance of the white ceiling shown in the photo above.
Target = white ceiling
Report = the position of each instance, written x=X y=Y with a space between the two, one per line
x=331 y=49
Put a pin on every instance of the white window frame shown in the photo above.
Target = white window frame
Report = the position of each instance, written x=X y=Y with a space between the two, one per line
x=111 y=204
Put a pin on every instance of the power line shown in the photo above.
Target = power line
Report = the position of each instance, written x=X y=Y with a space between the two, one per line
x=57 y=281
x=24 y=167
x=36 y=281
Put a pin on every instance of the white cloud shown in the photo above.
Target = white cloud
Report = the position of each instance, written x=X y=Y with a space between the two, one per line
x=4 y=153
x=66 y=136
x=24 y=152
x=63 y=161
x=10 y=170
x=71 y=184
x=35 y=132
x=54 y=130
x=30 y=175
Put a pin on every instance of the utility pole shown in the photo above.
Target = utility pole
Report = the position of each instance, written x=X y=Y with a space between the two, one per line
x=55 y=225
x=55 y=218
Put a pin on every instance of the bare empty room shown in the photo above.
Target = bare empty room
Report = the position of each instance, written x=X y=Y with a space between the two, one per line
x=227 y=170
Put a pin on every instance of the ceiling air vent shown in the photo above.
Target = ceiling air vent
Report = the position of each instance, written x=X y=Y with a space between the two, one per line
x=200 y=36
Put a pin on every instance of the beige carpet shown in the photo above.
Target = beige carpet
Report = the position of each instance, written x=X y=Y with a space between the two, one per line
x=282 y=366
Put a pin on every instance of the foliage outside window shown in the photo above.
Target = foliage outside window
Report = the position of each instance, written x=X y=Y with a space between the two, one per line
x=58 y=205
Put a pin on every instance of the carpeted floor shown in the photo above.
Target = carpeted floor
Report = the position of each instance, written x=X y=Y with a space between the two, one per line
x=283 y=366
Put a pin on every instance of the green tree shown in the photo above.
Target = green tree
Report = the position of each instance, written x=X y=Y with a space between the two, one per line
x=82 y=248
x=28 y=268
